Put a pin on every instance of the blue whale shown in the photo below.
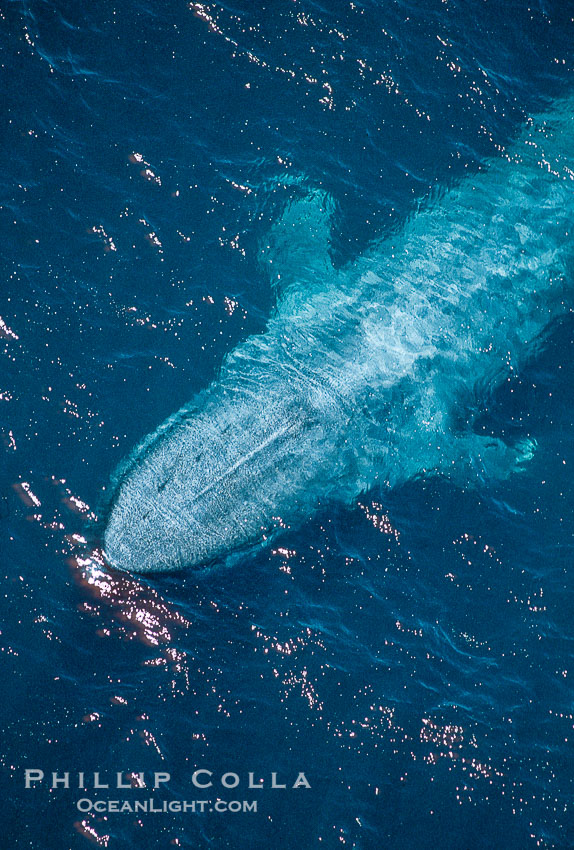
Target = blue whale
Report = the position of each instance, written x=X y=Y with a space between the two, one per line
x=363 y=371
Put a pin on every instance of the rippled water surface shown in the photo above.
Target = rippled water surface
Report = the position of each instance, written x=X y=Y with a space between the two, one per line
x=411 y=653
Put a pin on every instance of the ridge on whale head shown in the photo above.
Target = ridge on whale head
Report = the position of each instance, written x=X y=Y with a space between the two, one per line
x=361 y=371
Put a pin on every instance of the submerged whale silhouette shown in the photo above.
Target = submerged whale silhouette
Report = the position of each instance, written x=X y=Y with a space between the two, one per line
x=362 y=373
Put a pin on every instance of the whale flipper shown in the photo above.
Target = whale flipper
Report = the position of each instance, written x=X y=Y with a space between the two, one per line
x=296 y=250
x=487 y=458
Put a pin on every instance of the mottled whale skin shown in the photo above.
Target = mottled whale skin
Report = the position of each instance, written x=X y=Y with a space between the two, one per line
x=363 y=372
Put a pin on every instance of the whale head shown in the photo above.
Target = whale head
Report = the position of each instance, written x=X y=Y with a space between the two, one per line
x=165 y=512
x=188 y=491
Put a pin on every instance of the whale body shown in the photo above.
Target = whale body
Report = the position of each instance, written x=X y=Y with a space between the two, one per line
x=363 y=372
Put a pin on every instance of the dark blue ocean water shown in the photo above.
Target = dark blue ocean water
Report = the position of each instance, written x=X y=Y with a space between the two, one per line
x=412 y=653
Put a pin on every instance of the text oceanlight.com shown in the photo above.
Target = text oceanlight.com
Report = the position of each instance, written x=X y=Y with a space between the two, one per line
x=166 y=806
